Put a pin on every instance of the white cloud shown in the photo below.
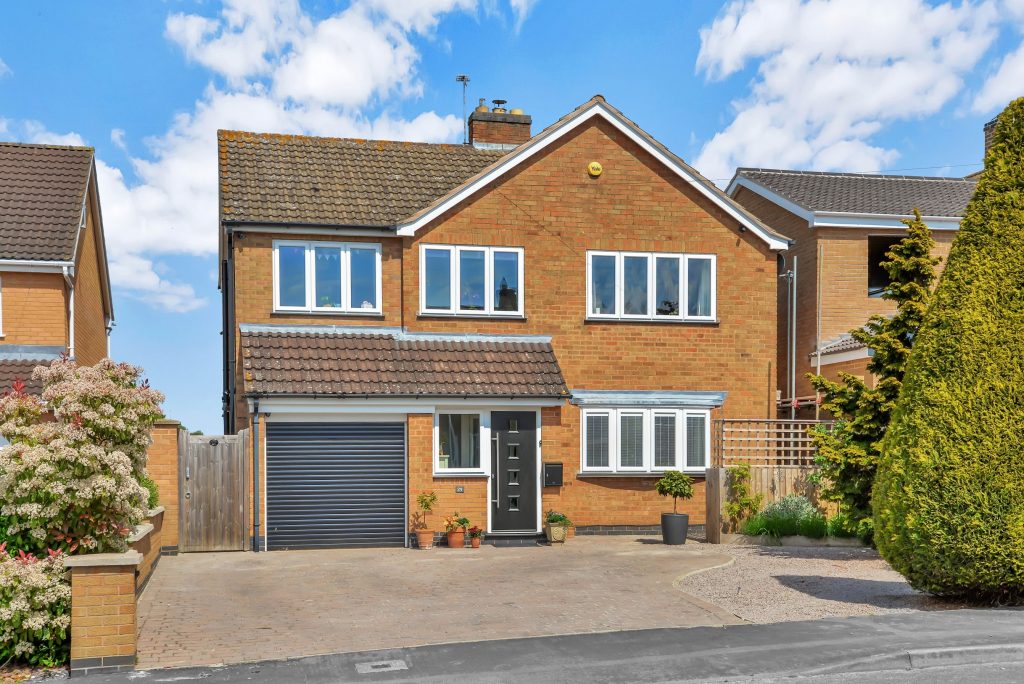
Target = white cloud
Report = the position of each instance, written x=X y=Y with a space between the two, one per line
x=4 y=69
x=1006 y=83
x=273 y=69
x=521 y=9
x=830 y=74
x=117 y=137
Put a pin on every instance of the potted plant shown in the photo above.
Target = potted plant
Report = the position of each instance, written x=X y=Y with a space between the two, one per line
x=675 y=525
x=555 y=527
x=475 y=536
x=455 y=525
x=424 y=536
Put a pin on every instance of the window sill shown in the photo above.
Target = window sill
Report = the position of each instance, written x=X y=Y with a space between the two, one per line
x=484 y=316
x=465 y=476
x=588 y=474
x=656 y=321
x=340 y=314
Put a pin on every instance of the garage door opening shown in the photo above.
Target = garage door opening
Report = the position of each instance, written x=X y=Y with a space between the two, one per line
x=333 y=485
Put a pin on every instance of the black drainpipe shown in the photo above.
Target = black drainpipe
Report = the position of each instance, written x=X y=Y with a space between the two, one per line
x=256 y=475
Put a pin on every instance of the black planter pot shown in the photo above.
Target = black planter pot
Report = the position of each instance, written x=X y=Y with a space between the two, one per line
x=674 y=527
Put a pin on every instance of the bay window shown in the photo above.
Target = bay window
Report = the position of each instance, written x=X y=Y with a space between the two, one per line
x=641 y=440
x=471 y=281
x=651 y=286
x=327 y=277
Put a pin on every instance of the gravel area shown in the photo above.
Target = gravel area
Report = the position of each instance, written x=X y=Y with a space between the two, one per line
x=777 y=584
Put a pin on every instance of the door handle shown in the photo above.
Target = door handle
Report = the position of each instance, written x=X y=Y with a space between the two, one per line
x=497 y=467
x=188 y=495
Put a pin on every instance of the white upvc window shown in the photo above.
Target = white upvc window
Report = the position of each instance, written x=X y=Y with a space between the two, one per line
x=327 y=277
x=464 y=280
x=461 y=442
x=651 y=286
x=631 y=440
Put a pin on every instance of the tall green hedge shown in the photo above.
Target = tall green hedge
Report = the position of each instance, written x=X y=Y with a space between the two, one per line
x=949 y=494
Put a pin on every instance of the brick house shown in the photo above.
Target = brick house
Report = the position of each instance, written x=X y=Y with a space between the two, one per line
x=519 y=324
x=842 y=225
x=54 y=283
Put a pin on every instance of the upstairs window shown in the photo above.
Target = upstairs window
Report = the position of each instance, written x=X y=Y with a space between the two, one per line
x=471 y=281
x=327 y=277
x=651 y=286
x=878 y=277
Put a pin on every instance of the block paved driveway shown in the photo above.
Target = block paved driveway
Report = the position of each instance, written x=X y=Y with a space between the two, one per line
x=222 y=608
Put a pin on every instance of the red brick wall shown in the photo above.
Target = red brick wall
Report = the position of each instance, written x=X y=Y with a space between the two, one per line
x=34 y=308
x=90 y=317
x=162 y=466
x=500 y=132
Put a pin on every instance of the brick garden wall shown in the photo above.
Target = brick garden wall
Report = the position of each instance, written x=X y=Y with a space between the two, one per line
x=163 y=469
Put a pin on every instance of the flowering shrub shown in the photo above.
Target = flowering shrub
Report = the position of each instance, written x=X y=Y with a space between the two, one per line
x=72 y=483
x=35 y=608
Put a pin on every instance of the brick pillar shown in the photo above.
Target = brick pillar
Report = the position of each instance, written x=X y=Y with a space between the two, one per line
x=103 y=625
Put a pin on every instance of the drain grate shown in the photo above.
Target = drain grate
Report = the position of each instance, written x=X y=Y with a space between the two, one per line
x=381 y=666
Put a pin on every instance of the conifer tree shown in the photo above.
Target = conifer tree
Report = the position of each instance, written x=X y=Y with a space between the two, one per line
x=949 y=494
x=848 y=452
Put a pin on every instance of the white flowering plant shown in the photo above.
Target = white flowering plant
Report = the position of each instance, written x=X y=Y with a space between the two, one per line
x=35 y=608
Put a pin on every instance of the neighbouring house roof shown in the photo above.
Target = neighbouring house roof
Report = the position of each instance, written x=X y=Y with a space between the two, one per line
x=42 y=195
x=389 y=362
x=843 y=343
x=853 y=193
x=340 y=182
x=295 y=179
x=17 y=361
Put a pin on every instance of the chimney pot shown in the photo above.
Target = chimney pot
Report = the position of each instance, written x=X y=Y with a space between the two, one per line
x=498 y=128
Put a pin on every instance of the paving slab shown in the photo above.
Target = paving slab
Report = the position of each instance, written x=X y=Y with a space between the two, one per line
x=224 y=608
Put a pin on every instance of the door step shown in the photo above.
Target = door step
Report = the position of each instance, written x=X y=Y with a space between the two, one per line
x=514 y=539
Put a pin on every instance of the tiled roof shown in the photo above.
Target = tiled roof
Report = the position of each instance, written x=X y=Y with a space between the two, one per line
x=42 y=188
x=851 y=193
x=841 y=344
x=21 y=369
x=347 y=362
x=270 y=178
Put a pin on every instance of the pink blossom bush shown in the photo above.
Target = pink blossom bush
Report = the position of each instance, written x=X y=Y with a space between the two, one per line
x=35 y=608
x=72 y=482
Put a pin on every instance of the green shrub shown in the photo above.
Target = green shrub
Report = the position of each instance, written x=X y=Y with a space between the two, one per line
x=35 y=608
x=740 y=504
x=675 y=484
x=948 y=496
x=792 y=515
x=842 y=525
x=154 y=492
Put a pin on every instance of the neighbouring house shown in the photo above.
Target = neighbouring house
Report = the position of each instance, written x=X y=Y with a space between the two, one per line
x=841 y=224
x=54 y=282
x=519 y=324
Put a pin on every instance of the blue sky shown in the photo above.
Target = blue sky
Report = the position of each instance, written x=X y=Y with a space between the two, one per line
x=853 y=85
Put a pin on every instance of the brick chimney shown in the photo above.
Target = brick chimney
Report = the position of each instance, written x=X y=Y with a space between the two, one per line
x=498 y=128
x=990 y=130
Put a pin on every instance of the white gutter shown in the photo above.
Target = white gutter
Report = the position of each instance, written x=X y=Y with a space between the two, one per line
x=71 y=311
x=33 y=266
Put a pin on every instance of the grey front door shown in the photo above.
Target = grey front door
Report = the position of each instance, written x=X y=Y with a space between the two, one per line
x=514 y=469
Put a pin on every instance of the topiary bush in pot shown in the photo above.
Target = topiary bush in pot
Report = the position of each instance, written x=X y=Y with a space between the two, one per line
x=947 y=502
x=675 y=525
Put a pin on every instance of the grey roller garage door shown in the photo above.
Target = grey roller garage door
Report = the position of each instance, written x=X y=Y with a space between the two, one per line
x=335 y=484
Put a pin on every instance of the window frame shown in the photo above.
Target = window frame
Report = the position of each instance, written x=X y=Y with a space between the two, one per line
x=652 y=314
x=649 y=468
x=613 y=434
x=485 y=443
x=309 y=263
x=455 y=279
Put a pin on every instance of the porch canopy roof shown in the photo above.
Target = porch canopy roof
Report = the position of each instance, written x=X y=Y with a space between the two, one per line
x=653 y=398
x=354 y=361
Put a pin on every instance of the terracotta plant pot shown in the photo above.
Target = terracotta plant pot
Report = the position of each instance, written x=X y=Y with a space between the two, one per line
x=474 y=542
x=457 y=539
x=425 y=539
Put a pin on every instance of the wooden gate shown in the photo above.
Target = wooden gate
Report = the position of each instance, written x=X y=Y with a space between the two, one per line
x=214 y=496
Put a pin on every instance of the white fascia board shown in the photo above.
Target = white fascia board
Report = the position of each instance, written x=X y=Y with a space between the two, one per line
x=383 y=232
x=828 y=219
x=774 y=198
x=841 y=357
x=531 y=149
x=29 y=266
